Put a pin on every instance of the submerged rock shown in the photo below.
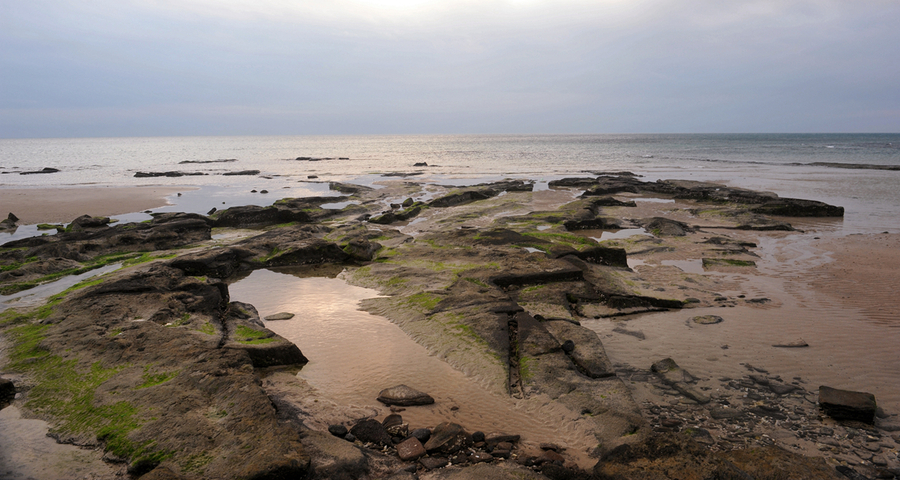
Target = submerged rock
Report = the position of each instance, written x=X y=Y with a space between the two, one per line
x=404 y=396
x=280 y=316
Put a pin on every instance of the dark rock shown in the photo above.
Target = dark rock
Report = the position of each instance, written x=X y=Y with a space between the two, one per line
x=404 y=396
x=661 y=226
x=43 y=170
x=847 y=405
x=724 y=413
x=242 y=172
x=166 y=174
x=798 y=344
x=580 y=182
x=371 y=431
x=495 y=440
x=611 y=257
x=568 y=346
x=431 y=463
x=420 y=164
x=211 y=211
x=759 y=379
x=448 y=438
x=7 y=392
x=423 y=434
x=478 y=436
x=12 y=218
x=539 y=277
x=85 y=222
x=337 y=430
x=350 y=437
x=781 y=388
x=392 y=420
x=279 y=316
x=410 y=449
x=793 y=207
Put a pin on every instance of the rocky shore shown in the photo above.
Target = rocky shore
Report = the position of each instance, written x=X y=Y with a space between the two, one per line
x=158 y=367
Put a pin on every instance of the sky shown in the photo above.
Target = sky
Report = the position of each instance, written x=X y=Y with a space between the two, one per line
x=98 y=68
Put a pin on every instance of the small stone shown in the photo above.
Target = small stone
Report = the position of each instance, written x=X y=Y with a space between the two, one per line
x=479 y=457
x=279 y=316
x=670 y=422
x=781 y=388
x=410 y=449
x=423 y=434
x=350 y=437
x=550 y=446
x=392 y=420
x=337 y=430
x=549 y=456
x=263 y=191
x=568 y=346
x=478 y=437
x=430 y=463
x=497 y=453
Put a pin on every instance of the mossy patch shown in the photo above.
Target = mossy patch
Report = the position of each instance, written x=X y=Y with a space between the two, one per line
x=425 y=301
x=250 y=336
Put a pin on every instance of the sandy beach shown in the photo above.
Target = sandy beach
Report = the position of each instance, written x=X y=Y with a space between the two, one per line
x=60 y=205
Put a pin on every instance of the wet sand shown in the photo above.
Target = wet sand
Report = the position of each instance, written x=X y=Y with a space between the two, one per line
x=61 y=205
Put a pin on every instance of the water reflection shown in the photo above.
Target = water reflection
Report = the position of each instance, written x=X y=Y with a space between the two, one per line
x=354 y=355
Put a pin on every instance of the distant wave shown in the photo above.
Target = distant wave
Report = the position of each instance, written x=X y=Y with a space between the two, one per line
x=860 y=166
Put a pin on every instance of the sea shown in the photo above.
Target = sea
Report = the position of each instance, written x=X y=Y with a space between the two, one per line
x=860 y=172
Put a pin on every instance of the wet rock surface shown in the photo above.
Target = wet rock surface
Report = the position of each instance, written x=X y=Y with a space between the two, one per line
x=495 y=288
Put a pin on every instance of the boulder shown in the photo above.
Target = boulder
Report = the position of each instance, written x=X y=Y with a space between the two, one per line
x=404 y=396
x=847 y=405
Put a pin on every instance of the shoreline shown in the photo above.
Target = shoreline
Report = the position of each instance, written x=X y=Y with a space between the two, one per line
x=64 y=204
x=426 y=239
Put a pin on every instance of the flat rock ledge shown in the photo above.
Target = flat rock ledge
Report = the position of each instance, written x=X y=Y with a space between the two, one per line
x=404 y=396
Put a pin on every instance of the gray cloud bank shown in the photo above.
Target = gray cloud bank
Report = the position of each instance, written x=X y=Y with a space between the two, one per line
x=198 y=67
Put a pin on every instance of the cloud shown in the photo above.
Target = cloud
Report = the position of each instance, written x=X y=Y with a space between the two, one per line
x=359 y=66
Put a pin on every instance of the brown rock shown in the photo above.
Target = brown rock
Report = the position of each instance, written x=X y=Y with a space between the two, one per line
x=410 y=449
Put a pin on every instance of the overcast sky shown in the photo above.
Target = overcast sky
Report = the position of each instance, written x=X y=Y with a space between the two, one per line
x=227 y=67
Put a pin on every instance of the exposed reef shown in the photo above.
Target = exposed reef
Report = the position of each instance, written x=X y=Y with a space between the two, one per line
x=157 y=365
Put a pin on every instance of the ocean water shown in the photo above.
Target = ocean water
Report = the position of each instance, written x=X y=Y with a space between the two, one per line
x=792 y=165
